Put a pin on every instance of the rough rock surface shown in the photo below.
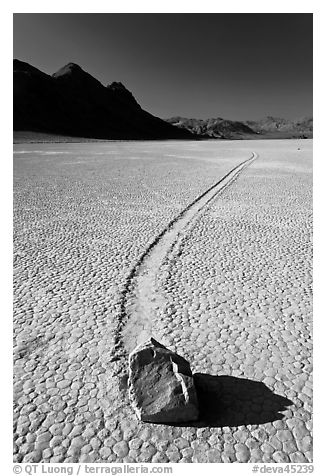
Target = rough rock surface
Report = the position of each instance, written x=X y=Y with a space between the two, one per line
x=161 y=387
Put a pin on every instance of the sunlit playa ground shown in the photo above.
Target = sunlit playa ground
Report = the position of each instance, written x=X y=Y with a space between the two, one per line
x=228 y=285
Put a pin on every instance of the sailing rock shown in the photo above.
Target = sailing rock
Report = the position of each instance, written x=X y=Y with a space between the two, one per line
x=161 y=386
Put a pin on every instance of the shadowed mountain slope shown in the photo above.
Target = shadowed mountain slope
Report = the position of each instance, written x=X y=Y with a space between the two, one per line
x=72 y=102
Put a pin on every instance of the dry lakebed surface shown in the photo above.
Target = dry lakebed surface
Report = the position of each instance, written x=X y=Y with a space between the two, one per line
x=207 y=247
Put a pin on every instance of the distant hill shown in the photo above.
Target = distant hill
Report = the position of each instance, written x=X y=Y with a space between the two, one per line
x=71 y=102
x=274 y=125
x=214 y=128
x=269 y=128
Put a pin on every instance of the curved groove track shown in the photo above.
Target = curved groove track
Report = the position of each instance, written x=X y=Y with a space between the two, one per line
x=141 y=298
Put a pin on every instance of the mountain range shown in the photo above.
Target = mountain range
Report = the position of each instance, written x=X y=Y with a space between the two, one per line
x=302 y=128
x=214 y=128
x=71 y=102
x=267 y=128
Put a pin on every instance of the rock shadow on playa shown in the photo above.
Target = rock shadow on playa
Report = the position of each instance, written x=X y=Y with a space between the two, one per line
x=232 y=401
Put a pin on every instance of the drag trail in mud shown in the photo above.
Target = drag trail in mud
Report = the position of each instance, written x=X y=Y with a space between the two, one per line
x=141 y=298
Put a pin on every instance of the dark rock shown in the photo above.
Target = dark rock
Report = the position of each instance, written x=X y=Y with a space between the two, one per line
x=161 y=386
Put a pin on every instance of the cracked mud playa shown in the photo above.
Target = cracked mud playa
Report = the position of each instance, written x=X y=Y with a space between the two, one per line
x=100 y=229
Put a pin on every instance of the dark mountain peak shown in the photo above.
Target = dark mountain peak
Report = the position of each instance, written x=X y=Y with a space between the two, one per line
x=117 y=86
x=73 y=73
x=122 y=93
x=72 y=102
x=69 y=69
x=73 y=66
x=22 y=67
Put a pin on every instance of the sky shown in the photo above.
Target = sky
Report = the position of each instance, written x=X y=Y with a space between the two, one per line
x=235 y=66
